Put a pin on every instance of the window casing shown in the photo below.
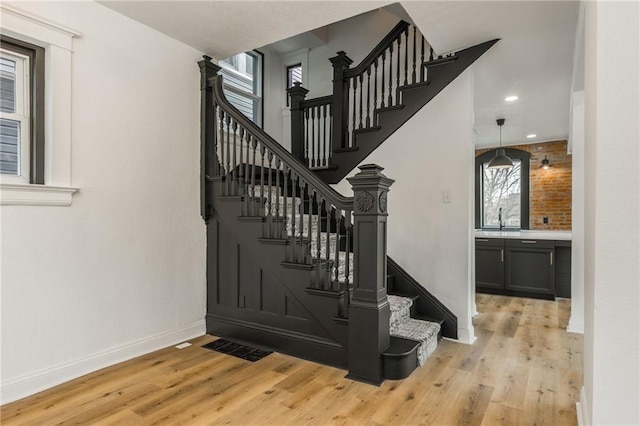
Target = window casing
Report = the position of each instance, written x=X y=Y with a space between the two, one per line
x=242 y=83
x=502 y=194
x=21 y=112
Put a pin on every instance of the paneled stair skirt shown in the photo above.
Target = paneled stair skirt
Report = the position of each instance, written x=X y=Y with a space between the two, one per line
x=402 y=325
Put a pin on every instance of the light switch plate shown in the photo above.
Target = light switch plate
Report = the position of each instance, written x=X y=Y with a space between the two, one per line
x=446 y=196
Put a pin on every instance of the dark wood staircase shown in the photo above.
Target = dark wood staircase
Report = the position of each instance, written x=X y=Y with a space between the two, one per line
x=372 y=100
x=296 y=267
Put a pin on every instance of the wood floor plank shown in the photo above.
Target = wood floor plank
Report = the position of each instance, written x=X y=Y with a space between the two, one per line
x=524 y=368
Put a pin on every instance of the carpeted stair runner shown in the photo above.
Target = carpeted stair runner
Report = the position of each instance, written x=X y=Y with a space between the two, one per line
x=402 y=325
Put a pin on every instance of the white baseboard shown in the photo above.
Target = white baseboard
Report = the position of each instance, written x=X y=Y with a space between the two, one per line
x=29 y=384
x=466 y=336
x=582 y=409
x=575 y=326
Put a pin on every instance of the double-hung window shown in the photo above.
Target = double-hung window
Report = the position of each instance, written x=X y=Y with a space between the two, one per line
x=14 y=114
x=242 y=79
x=21 y=112
x=294 y=75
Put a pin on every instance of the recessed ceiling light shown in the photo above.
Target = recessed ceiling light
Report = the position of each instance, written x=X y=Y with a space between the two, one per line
x=511 y=98
x=531 y=135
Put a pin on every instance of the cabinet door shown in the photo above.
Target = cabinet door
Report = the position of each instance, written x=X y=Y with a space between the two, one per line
x=530 y=267
x=490 y=264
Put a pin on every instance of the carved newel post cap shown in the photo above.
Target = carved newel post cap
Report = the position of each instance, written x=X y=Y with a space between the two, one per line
x=370 y=168
x=341 y=59
x=297 y=90
x=207 y=58
x=370 y=174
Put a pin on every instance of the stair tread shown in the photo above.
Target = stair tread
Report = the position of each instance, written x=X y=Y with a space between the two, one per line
x=413 y=297
x=428 y=318
x=400 y=347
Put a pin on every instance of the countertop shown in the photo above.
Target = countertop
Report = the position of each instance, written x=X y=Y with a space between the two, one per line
x=525 y=234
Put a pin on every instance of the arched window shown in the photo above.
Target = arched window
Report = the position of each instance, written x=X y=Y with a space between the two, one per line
x=502 y=195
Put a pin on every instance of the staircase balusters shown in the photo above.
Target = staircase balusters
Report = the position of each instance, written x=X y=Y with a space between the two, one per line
x=406 y=55
x=338 y=216
x=398 y=70
x=360 y=108
x=313 y=137
x=391 y=73
x=301 y=224
x=285 y=215
x=327 y=228
x=234 y=171
x=245 y=182
x=228 y=168
x=413 y=74
x=270 y=190
x=307 y=140
x=347 y=259
x=294 y=194
x=252 y=203
x=368 y=121
x=240 y=183
x=319 y=281
x=262 y=149
x=278 y=164
x=324 y=136
x=375 y=89
x=421 y=58
x=354 y=127
x=382 y=79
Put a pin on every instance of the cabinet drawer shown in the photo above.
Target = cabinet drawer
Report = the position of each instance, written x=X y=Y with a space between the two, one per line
x=489 y=242
x=539 y=244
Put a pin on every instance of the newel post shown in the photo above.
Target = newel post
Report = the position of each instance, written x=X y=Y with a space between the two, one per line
x=297 y=94
x=208 y=162
x=369 y=309
x=340 y=105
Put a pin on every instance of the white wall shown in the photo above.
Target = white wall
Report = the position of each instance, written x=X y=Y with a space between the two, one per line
x=121 y=271
x=432 y=240
x=612 y=217
x=576 y=321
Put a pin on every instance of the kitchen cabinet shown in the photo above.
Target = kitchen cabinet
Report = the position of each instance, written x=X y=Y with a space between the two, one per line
x=523 y=267
x=529 y=267
x=490 y=263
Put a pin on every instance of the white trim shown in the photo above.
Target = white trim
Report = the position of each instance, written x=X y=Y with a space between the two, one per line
x=465 y=336
x=35 y=195
x=582 y=409
x=58 y=42
x=19 y=22
x=40 y=380
x=575 y=326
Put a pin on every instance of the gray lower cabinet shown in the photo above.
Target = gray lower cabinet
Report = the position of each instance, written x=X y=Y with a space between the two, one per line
x=490 y=263
x=519 y=267
x=529 y=267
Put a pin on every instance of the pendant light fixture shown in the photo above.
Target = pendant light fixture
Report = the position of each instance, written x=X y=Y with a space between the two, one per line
x=500 y=161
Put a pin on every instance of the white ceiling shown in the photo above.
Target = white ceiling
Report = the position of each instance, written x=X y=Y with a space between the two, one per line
x=533 y=60
x=224 y=28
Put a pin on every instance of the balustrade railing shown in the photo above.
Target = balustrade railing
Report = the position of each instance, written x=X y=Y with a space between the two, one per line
x=358 y=94
x=295 y=205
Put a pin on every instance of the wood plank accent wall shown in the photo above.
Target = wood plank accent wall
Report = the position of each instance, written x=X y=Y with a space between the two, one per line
x=550 y=190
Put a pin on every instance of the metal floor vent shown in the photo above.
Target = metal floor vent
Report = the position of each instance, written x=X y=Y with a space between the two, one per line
x=237 y=350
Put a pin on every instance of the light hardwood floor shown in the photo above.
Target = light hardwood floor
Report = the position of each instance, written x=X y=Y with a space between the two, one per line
x=523 y=369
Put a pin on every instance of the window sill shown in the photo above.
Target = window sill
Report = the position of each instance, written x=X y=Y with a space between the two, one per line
x=35 y=195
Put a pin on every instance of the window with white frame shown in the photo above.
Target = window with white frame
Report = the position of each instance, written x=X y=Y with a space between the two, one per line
x=14 y=114
x=242 y=79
